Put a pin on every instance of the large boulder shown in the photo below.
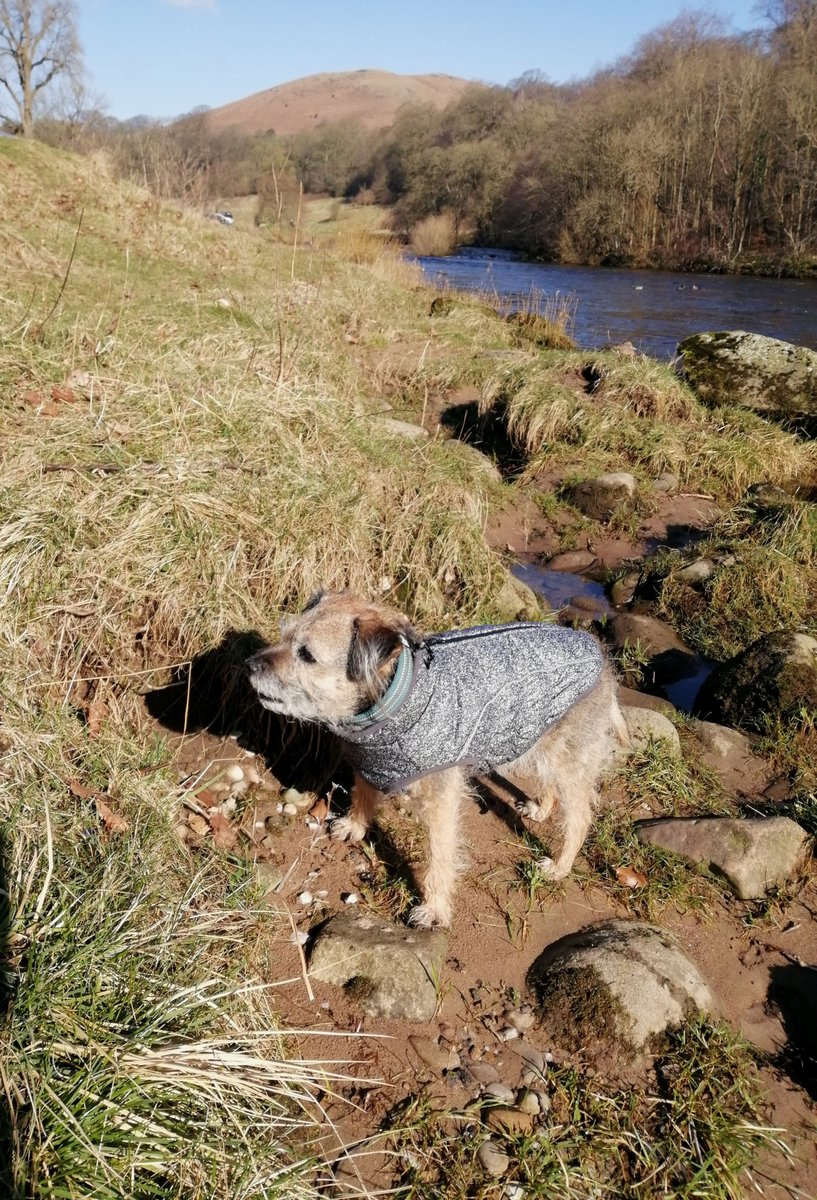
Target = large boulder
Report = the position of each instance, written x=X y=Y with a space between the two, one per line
x=753 y=855
x=776 y=676
x=616 y=985
x=757 y=372
x=390 y=970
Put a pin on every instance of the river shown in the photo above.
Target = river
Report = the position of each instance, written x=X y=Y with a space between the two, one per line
x=652 y=309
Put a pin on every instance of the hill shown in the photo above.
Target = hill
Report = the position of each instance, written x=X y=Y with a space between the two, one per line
x=371 y=97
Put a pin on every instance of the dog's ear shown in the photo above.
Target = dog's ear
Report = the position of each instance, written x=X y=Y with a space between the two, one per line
x=375 y=644
x=314 y=600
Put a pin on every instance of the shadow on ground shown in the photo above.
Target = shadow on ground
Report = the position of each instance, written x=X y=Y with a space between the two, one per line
x=793 y=996
x=213 y=694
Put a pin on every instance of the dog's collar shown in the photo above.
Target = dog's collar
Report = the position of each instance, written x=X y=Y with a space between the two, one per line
x=394 y=695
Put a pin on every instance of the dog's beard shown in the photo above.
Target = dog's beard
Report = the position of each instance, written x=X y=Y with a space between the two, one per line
x=300 y=708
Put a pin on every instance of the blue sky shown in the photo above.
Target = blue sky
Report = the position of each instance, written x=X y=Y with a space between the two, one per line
x=164 y=57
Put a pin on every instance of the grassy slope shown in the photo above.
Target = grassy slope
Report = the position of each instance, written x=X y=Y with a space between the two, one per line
x=220 y=458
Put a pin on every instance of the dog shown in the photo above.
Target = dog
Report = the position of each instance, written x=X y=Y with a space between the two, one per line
x=533 y=702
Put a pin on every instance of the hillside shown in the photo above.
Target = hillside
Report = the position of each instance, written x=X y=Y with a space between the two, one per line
x=371 y=97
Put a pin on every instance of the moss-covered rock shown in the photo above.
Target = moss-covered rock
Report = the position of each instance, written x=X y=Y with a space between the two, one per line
x=616 y=985
x=756 y=372
x=774 y=677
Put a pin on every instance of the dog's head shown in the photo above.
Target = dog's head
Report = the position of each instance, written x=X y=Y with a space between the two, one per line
x=333 y=660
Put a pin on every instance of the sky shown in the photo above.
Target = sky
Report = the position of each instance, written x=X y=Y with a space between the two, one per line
x=164 y=57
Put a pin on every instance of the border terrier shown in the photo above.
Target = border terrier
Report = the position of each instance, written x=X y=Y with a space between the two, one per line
x=532 y=702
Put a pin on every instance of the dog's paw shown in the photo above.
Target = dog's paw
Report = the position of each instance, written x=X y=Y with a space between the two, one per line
x=532 y=810
x=548 y=869
x=344 y=829
x=424 y=916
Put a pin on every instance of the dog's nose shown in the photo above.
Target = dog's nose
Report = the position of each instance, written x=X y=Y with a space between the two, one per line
x=254 y=663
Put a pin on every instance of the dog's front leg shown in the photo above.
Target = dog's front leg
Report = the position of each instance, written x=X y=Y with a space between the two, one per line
x=439 y=797
x=355 y=826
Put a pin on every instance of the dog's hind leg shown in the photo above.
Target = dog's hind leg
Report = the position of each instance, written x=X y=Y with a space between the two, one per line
x=575 y=815
x=354 y=827
x=440 y=803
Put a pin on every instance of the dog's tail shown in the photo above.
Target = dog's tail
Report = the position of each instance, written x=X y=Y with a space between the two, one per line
x=620 y=726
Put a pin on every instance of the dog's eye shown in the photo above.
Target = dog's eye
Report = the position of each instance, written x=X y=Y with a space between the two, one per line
x=306 y=655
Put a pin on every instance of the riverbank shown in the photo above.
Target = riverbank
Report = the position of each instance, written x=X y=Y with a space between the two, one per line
x=201 y=426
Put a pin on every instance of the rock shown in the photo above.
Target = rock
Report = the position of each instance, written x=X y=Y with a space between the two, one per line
x=721 y=741
x=405 y=429
x=522 y=1021
x=476 y=459
x=390 y=967
x=483 y=1072
x=623 y=590
x=500 y=1092
x=767 y=496
x=645 y=726
x=615 y=985
x=599 y=498
x=666 y=657
x=753 y=854
x=269 y=875
x=774 y=677
x=509 y=1120
x=517 y=602
x=438 y=1058
x=530 y=1058
x=297 y=799
x=441 y=306
x=695 y=572
x=756 y=372
x=635 y=699
x=665 y=483
x=572 y=561
x=492 y=1160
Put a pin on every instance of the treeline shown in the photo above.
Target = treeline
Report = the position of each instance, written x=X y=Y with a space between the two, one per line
x=699 y=150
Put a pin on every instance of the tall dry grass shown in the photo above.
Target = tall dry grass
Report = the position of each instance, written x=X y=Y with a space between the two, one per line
x=435 y=235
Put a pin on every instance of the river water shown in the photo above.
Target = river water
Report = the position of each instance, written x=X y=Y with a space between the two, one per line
x=652 y=309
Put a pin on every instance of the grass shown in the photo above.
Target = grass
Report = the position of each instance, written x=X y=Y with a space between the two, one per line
x=765 y=578
x=434 y=235
x=620 y=413
x=695 y=1129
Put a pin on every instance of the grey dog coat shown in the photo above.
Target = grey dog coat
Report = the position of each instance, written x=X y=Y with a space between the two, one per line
x=476 y=698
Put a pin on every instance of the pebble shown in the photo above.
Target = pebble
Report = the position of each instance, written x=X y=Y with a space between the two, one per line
x=483 y=1072
x=544 y=1103
x=305 y=898
x=499 y=1091
x=528 y=1102
x=298 y=799
x=235 y=774
x=312 y=824
x=349 y=897
x=509 y=1120
x=521 y=1021
x=514 y=1191
x=530 y=1056
x=438 y=1058
x=300 y=938
x=492 y=1160
x=198 y=824
x=270 y=875
x=508 y=1033
x=252 y=775
x=289 y=810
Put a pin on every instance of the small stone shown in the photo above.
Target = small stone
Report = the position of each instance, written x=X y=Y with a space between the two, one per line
x=198 y=824
x=234 y=773
x=531 y=1057
x=521 y=1021
x=350 y=897
x=508 y=1033
x=720 y=740
x=695 y=572
x=289 y=810
x=252 y=775
x=645 y=726
x=305 y=898
x=492 y=1160
x=298 y=799
x=509 y=1120
x=312 y=824
x=269 y=875
x=299 y=938
x=666 y=482
x=528 y=1102
x=513 y=1191
x=599 y=498
x=500 y=1092
x=543 y=1100
x=483 y=1072
x=437 y=1058
x=572 y=561
x=623 y=589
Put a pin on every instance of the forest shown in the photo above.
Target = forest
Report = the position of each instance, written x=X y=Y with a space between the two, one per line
x=696 y=151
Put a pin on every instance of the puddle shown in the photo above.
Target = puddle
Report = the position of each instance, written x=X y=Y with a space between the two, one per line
x=560 y=587
x=682 y=692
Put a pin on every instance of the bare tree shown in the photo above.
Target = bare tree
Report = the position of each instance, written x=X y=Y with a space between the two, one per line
x=38 y=43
